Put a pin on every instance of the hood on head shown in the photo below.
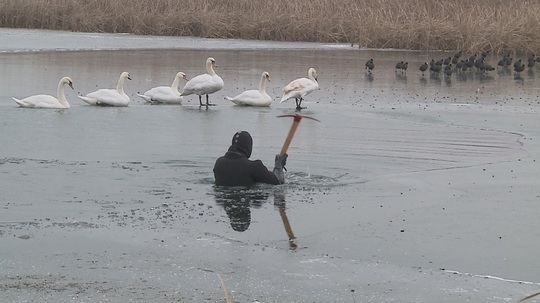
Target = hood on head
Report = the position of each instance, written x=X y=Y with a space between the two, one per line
x=243 y=142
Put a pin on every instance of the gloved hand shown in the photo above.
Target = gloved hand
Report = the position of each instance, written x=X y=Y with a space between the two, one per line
x=280 y=161
x=279 y=166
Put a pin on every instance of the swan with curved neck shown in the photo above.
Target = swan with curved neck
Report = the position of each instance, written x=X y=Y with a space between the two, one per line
x=109 y=97
x=301 y=87
x=204 y=84
x=254 y=97
x=165 y=94
x=48 y=101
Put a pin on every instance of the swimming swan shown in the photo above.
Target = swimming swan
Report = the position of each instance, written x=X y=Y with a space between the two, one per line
x=204 y=84
x=109 y=97
x=299 y=88
x=254 y=97
x=47 y=101
x=165 y=94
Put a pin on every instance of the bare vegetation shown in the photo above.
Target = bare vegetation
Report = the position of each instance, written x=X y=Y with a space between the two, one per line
x=497 y=25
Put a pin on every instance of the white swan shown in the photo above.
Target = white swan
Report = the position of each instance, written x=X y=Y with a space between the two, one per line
x=109 y=97
x=299 y=88
x=204 y=84
x=254 y=97
x=47 y=101
x=165 y=94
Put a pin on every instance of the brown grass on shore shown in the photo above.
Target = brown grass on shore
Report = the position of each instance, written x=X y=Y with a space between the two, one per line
x=497 y=25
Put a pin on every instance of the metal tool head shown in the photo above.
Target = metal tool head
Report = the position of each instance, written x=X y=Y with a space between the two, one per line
x=297 y=117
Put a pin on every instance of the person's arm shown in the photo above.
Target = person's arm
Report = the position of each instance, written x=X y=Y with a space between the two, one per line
x=263 y=175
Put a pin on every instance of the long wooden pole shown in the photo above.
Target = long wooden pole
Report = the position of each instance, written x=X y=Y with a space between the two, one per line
x=288 y=228
x=288 y=140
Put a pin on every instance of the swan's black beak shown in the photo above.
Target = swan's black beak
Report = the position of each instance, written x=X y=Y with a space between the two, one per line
x=71 y=85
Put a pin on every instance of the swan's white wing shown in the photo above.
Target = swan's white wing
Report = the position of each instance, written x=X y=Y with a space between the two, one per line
x=196 y=85
x=251 y=98
x=169 y=99
x=158 y=91
x=39 y=101
x=313 y=85
x=106 y=97
x=202 y=85
x=21 y=103
x=296 y=85
x=162 y=94
x=298 y=88
x=91 y=101
x=145 y=97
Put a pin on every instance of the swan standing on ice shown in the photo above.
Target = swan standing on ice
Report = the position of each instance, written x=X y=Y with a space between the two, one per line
x=47 y=101
x=299 y=88
x=204 y=84
x=254 y=97
x=165 y=94
x=109 y=97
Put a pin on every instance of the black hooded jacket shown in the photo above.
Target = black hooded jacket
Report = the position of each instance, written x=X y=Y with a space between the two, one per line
x=235 y=168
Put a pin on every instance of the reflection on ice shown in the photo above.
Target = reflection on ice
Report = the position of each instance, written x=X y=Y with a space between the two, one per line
x=239 y=201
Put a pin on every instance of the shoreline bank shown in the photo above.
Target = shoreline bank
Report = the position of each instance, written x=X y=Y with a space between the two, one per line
x=502 y=27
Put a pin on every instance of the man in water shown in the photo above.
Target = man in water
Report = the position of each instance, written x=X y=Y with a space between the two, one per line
x=235 y=168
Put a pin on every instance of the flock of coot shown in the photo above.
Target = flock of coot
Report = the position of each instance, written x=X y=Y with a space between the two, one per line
x=457 y=63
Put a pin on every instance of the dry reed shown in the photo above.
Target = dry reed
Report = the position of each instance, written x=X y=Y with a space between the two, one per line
x=497 y=25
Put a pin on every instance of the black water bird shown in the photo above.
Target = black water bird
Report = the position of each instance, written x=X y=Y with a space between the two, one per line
x=459 y=65
x=464 y=66
x=502 y=63
x=518 y=66
x=423 y=67
x=448 y=70
x=436 y=67
x=447 y=61
x=531 y=61
x=508 y=60
x=455 y=58
x=404 y=67
x=399 y=65
x=469 y=63
x=370 y=65
x=485 y=67
x=479 y=63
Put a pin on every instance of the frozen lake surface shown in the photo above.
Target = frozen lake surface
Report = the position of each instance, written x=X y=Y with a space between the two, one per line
x=411 y=189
